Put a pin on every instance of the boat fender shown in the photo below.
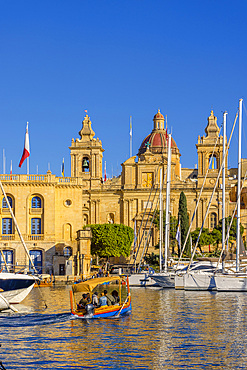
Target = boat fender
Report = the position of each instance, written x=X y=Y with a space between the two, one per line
x=89 y=309
x=151 y=271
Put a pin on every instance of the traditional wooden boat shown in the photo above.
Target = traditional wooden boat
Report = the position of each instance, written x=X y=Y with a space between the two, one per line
x=91 y=312
x=44 y=281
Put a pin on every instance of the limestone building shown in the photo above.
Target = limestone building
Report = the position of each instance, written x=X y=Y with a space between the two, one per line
x=51 y=211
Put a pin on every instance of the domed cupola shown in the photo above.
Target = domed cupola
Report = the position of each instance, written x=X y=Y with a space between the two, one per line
x=157 y=141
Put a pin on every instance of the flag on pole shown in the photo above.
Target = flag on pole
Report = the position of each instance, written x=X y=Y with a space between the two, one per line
x=130 y=126
x=26 y=150
x=62 y=170
x=105 y=172
x=135 y=236
x=178 y=238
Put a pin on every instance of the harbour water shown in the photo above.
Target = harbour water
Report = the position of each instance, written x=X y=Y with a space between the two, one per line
x=167 y=329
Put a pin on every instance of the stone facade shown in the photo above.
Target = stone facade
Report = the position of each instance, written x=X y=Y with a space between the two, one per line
x=51 y=211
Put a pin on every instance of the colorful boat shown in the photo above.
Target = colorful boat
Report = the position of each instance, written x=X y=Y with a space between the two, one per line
x=44 y=281
x=89 y=286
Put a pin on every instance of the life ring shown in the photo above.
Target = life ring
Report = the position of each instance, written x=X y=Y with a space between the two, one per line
x=151 y=271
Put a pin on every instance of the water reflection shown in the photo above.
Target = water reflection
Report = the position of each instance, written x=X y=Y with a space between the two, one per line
x=167 y=329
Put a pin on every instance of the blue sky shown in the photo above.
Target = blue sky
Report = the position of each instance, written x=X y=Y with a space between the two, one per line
x=117 y=59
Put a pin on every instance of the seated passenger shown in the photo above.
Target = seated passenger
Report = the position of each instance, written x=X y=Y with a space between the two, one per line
x=115 y=296
x=103 y=299
x=110 y=299
x=83 y=301
x=95 y=299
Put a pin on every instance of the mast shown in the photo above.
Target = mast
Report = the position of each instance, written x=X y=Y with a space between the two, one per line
x=239 y=180
x=161 y=220
x=224 y=180
x=168 y=183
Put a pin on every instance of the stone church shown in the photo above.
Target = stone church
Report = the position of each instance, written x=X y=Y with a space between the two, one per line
x=51 y=211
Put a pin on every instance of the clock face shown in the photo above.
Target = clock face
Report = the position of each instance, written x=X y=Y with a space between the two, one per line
x=147 y=180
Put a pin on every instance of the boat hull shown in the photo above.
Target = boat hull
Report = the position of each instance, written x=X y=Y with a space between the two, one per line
x=15 y=287
x=105 y=311
x=199 y=281
x=164 y=280
x=231 y=283
x=141 y=279
x=179 y=282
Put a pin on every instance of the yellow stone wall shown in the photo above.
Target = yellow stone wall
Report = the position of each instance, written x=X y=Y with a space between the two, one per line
x=68 y=204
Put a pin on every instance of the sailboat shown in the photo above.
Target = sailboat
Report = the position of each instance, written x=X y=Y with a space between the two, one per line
x=165 y=278
x=14 y=287
x=235 y=281
x=202 y=275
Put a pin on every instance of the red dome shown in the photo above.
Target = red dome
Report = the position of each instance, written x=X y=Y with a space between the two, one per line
x=157 y=142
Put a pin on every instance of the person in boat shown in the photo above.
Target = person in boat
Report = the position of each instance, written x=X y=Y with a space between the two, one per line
x=95 y=299
x=110 y=299
x=84 y=301
x=103 y=299
x=115 y=296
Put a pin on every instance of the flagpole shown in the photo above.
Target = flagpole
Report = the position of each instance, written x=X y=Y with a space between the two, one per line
x=130 y=136
x=3 y=162
x=28 y=156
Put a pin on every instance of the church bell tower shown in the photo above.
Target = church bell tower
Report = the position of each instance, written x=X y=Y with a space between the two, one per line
x=86 y=155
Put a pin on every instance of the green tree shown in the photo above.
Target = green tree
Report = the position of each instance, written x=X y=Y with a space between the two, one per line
x=184 y=221
x=111 y=240
x=206 y=237
x=233 y=230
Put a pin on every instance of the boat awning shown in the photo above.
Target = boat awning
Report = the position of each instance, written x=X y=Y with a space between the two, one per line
x=90 y=285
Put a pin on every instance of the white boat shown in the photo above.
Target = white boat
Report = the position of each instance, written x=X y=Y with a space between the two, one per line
x=199 y=277
x=235 y=281
x=141 y=279
x=164 y=279
x=14 y=287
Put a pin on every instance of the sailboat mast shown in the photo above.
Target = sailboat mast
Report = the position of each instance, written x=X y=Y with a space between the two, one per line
x=17 y=227
x=168 y=183
x=161 y=219
x=239 y=181
x=224 y=180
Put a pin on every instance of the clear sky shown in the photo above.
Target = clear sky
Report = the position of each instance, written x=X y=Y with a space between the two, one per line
x=117 y=59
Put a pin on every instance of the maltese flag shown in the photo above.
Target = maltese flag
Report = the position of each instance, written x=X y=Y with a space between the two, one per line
x=26 y=150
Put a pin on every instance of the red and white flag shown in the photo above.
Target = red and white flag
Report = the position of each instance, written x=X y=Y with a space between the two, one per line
x=26 y=150
x=105 y=172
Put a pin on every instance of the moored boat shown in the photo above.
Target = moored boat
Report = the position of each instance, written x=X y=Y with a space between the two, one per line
x=15 y=287
x=91 y=312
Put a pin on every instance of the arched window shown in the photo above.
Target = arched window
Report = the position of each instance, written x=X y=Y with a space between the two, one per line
x=67 y=251
x=213 y=162
x=4 y=203
x=213 y=220
x=9 y=258
x=36 y=202
x=110 y=218
x=7 y=226
x=85 y=164
x=37 y=258
x=35 y=226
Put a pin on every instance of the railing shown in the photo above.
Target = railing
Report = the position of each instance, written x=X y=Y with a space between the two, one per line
x=28 y=237
x=49 y=178
x=7 y=236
